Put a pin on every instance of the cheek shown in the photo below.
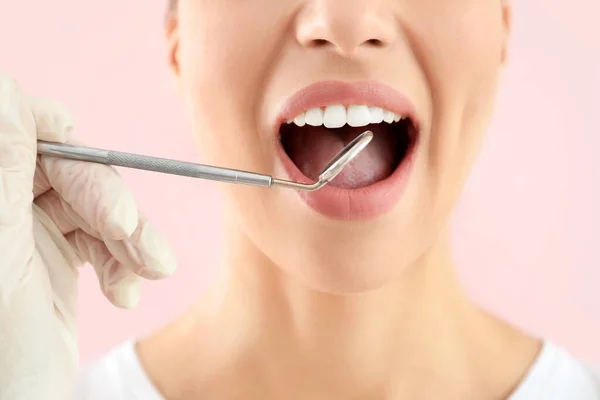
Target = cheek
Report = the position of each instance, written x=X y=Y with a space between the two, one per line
x=478 y=61
x=461 y=45
x=464 y=51
x=223 y=57
x=461 y=51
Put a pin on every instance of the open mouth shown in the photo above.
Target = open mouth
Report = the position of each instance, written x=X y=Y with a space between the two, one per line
x=314 y=137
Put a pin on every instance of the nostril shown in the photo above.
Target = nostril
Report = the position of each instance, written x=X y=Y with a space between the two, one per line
x=374 y=43
x=320 y=43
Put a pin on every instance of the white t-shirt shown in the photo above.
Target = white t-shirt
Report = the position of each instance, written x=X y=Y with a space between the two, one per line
x=555 y=375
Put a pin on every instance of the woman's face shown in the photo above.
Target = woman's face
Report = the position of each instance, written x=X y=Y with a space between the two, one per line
x=428 y=68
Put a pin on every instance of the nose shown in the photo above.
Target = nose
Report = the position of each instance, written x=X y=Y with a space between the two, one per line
x=345 y=26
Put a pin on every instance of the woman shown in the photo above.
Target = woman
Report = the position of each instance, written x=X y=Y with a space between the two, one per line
x=348 y=292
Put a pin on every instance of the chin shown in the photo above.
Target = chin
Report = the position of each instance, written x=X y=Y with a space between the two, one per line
x=346 y=258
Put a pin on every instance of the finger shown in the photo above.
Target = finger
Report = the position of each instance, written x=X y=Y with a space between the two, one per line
x=62 y=214
x=118 y=283
x=146 y=252
x=96 y=192
x=61 y=263
x=54 y=123
x=17 y=153
x=17 y=165
x=41 y=184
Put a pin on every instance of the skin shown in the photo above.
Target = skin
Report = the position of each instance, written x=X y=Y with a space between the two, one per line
x=313 y=308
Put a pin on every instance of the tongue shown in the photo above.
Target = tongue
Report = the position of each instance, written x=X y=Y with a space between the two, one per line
x=311 y=148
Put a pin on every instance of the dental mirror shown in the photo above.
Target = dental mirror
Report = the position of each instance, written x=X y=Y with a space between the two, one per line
x=193 y=170
x=335 y=166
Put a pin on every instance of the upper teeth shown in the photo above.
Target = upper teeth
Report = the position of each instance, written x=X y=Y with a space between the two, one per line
x=336 y=116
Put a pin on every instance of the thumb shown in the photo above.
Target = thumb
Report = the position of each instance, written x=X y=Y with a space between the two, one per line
x=53 y=124
x=17 y=166
x=53 y=121
x=17 y=150
x=24 y=120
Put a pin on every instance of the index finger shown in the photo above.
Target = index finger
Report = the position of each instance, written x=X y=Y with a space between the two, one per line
x=96 y=192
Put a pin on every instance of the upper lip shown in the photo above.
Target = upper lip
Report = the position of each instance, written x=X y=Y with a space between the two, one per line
x=322 y=94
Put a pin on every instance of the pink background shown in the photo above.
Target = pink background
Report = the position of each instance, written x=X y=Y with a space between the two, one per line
x=525 y=231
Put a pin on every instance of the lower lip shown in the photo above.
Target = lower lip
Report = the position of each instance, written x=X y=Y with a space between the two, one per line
x=354 y=204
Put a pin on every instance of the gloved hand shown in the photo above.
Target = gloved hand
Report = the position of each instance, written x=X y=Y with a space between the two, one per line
x=56 y=215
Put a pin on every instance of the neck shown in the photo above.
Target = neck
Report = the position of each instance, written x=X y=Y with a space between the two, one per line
x=372 y=344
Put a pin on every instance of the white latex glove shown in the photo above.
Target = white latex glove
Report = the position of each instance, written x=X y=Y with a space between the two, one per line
x=56 y=215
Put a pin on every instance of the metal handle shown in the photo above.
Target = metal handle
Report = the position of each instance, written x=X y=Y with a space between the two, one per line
x=183 y=168
x=155 y=164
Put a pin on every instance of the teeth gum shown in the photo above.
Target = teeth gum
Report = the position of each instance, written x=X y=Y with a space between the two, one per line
x=337 y=116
